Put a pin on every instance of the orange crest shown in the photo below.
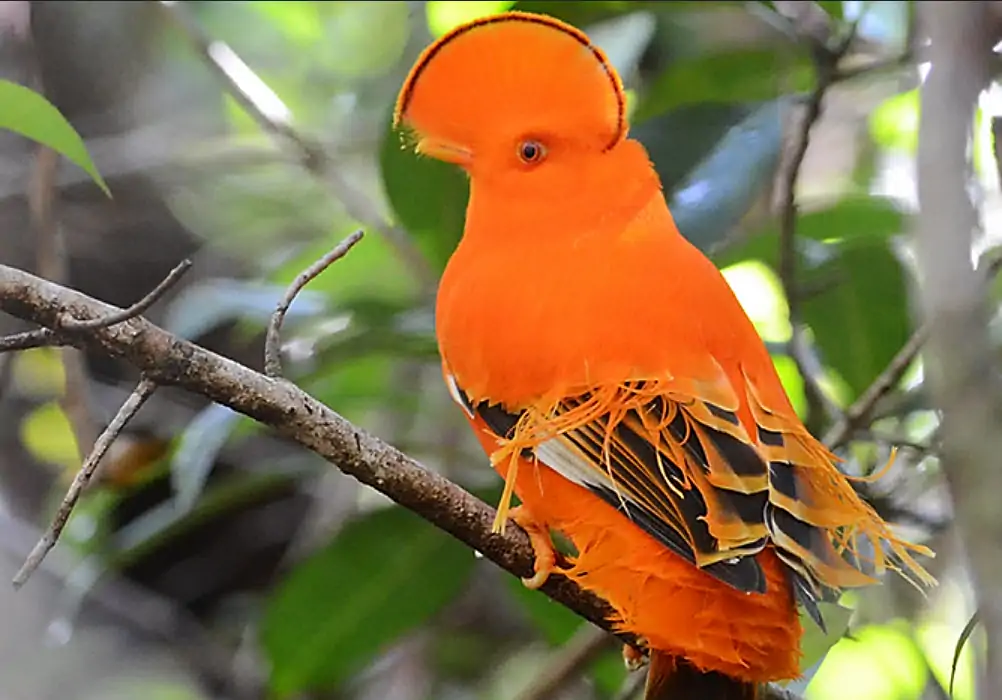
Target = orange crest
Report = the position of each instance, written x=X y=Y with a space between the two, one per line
x=537 y=66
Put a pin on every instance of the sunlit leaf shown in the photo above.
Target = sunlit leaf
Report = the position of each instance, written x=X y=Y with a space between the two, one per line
x=445 y=15
x=28 y=113
x=877 y=663
x=47 y=434
x=379 y=578
x=761 y=296
x=894 y=123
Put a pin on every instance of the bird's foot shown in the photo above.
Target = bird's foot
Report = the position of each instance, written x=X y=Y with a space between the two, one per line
x=542 y=547
x=633 y=659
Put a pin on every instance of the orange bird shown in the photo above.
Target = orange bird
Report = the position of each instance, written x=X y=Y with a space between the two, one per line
x=614 y=379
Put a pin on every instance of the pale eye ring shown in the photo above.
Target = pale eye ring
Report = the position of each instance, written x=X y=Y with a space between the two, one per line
x=530 y=152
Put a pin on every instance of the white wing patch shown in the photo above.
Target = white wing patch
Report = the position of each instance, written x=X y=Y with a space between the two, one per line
x=450 y=381
x=565 y=459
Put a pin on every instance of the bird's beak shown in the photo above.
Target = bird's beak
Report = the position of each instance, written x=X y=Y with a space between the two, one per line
x=445 y=151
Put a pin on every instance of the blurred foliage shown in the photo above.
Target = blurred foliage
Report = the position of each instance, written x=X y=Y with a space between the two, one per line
x=713 y=88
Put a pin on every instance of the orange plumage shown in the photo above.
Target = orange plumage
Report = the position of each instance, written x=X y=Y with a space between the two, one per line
x=613 y=377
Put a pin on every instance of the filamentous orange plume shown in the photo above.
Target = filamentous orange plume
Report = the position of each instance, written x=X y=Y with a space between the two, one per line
x=613 y=378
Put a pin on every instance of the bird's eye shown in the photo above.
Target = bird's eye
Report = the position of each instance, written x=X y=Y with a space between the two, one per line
x=531 y=151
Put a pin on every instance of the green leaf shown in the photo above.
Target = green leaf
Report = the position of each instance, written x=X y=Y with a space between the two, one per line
x=555 y=622
x=815 y=643
x=428 y=196
x=557 y=625
x=853 y=217
x=721 y=189
x=861 y=320
x=382 y=576
x=28 y=113
x=832 y=7
x=678 y=140
x=965 y=634
x=894 y=123
x=742 y=75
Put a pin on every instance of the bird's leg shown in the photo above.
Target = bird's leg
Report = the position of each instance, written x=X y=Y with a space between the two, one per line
x=542 y=547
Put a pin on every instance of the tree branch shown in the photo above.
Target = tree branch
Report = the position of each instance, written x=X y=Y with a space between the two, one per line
x=962 y=371
x=826 y=60
x=273 y=337
x=143 y=391
x=168 y=360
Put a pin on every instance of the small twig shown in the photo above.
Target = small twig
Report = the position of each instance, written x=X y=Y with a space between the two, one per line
x=860 y=410
x=826 y=64
x=169 y=360
x=586 y=644
x=273 y=336
x=137 y=309
x=46 y=337
x=143 y=391
x=26 y=340
x=311 y=155
x=141 y=609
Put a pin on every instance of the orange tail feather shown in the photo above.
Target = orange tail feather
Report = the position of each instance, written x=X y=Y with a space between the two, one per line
x=671 y=679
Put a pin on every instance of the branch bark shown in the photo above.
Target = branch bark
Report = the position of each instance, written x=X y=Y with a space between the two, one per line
x=166 y=359
x=961 y=369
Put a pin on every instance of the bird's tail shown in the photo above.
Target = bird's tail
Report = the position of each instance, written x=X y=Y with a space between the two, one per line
x=669 y=678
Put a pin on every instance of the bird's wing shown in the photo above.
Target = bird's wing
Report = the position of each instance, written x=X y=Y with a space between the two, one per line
x=675 y=459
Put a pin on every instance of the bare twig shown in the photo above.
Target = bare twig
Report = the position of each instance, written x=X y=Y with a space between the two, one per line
x=166 y=359
x=579 y=651
x=143 y=391
x=142 y=609
x=136 y=309
x=46 y=337
x=961 y=367
x=38 y=338
x=310 y=154
x=273 y=336
x=858 y=413
x=169 y=360
x=826 y=65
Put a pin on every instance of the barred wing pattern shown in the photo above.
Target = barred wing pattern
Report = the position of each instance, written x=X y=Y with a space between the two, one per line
x=675 y=459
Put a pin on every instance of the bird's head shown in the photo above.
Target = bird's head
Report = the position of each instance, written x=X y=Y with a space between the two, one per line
x=516 y=98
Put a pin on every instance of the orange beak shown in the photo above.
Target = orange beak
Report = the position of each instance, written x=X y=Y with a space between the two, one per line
x=445 y=151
